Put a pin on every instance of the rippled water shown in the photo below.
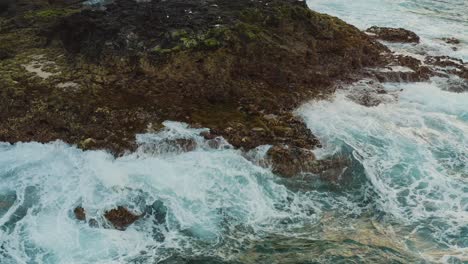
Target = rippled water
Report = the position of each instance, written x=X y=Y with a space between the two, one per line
x=402 y=199
x=415 y=156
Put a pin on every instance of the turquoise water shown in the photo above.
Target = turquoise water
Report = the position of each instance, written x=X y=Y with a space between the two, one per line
x=402 y=199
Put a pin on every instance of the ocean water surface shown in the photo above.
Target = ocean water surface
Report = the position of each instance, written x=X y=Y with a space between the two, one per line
x=402 y=199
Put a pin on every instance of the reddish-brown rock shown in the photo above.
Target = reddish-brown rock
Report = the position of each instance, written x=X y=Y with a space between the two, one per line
x=80 y=213
x=121 y=217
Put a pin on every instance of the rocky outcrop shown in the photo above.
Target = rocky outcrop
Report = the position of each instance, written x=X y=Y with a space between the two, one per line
x=121 y=217
x=289 y=161
x=403 y=68
x=449 y=65
x=236 y=67
x=394 y=34
x=369 y=93
x=80 y=213
x=453 y=41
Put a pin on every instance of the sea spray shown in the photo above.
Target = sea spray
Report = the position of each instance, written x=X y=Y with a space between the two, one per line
x=414 y=152
x=220 y=205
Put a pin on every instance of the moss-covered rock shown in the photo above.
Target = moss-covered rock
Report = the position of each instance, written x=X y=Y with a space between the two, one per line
x=226 y=65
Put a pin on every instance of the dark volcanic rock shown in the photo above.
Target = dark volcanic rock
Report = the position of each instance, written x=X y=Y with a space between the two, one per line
x=454 y=41
x=121 y=217
x=394 y=34
x=409 y=62
x=80 y=213
x=225 y=65
x=449 y=65
x=413 y=70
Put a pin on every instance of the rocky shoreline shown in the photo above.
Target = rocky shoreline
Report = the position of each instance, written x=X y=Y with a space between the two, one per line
x=96 y=77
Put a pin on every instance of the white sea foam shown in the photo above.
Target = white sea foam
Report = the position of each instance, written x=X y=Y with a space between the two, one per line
x=202 y=189
x=414 y=152
x=407 y=192
x=431 y=20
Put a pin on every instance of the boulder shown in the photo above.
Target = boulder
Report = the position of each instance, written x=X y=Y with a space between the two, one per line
x=394 y=34
x=80 y=213
x=121 y=217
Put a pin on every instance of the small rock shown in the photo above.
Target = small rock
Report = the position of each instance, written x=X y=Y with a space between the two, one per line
x=93 y=223
x=207 y=135
x=185 y=144
x=87 y=144
x=453 y=41
x=80 y=213
x=159 y=211
x=394 y=34
x=121 y=217
x=369 y=100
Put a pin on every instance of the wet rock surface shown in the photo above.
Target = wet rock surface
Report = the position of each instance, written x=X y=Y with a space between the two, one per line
x=289 y=162
x=449 y=65
x=394 y=34
x=226 y=65
x=80 y=213
x=121 y=217
x=370 y=93
x=405 y=68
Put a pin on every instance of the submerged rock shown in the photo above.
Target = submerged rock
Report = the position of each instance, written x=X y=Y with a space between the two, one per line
x=453 y=41
x=289 y=161
x=394 y=34
x=369 y=93
x=158 y=211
